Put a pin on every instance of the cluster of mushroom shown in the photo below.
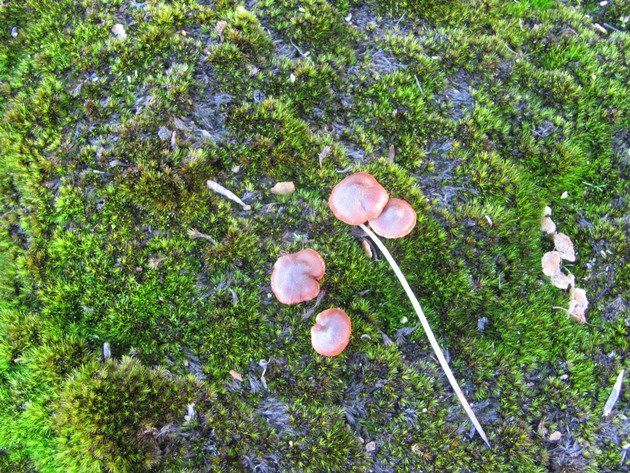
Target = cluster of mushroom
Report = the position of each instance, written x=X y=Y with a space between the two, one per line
x=296 y=277
x=356 y=200
x=360 y=198
x=551 y=266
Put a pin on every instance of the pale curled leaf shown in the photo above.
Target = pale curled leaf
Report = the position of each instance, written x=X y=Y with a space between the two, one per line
x=547 y=225
x=614 y=395
x=219 y=189
x=564 y=246
x=323 y=154
x=563 y=281
x=555 y=436
x=578 y=305
x=119 y=31
x=551 y=263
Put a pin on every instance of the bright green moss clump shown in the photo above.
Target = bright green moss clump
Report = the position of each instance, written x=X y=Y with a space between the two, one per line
x=109 y=417
x=479 y=113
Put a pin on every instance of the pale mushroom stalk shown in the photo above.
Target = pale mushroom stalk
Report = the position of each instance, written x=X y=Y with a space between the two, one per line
x=428 y=331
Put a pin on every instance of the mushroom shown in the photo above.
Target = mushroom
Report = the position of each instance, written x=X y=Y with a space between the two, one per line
x=396 y=220
x=331 y=333
x=357 y=199
x=295 y=277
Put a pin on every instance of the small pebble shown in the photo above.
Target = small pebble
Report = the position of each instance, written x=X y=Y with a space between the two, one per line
x=482 y=323
x=370 y=446
x=164 y=133
x=119 y=31
x=555 y=436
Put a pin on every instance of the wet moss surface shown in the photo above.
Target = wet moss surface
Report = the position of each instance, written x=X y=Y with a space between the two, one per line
x=478 y=113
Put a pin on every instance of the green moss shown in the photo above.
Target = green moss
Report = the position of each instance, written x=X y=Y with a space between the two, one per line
x=108 y=416
x=478 y=113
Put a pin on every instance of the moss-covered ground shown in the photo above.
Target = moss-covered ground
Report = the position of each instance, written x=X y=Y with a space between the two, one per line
x=477 y=112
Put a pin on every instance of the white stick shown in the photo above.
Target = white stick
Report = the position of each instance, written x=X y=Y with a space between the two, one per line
x=428 y=331
x=219 y=189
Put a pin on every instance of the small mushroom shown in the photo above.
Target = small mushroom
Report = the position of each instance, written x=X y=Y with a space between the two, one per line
x=358 y=198
x=397 y=219
x=331 y=333
x=295 y=277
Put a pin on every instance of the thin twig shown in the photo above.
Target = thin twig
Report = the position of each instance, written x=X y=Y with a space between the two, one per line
x=219 y=189
x=400 y=19
x=428 y=331
x=304 y=55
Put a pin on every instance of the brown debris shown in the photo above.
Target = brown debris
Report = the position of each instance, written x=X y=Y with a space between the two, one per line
x=283 y=188
x=236 y=375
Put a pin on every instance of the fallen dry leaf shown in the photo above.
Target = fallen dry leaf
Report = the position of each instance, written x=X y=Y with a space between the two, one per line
x=391 y=153
x=236 y=375
x=564 y=246
x=563 y=281
x=555 y=436
x=220 y=26
x=578 y=305
x=547 y=225
x=283 y=188
x=551 y=263
x=154 y=263
x=194 y=234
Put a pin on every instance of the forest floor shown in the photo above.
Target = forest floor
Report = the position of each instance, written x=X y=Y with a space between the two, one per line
x=479 y=113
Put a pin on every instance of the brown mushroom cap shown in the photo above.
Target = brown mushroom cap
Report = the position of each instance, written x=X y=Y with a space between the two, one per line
x=397 y=219
x=331 y=333
x=358 y=198
x=295 y=276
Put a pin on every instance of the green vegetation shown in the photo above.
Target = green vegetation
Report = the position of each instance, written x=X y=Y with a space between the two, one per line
x=479 y=113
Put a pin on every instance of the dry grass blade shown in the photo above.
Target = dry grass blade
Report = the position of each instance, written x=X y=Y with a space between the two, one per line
x=429 y=332
x=219 y=189
x=614 y=395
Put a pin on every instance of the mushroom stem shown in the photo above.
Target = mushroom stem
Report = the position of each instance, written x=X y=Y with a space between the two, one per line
x=428 y=331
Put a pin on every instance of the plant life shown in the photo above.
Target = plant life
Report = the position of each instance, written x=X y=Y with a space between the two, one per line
x=113 y=246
